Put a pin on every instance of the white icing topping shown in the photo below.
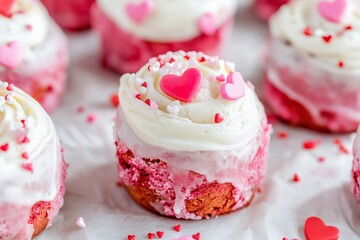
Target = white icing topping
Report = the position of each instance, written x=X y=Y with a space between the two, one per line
x=188 y=126
x=28 y=25
x=292 y=19
x=30 y=162
x=175 y=20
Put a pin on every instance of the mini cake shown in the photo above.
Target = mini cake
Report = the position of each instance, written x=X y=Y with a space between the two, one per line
x=134 y=31
x=266 y=8
x=33 y=51
x=356 y=167
x=70 y=14
x=192 y=138
x=312 y=72
x=32 y=168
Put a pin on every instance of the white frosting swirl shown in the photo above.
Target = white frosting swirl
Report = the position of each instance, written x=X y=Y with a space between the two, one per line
x=29 y=24
x=292 y=19
x=191 y=127
x=29 y=150
x=175 y=20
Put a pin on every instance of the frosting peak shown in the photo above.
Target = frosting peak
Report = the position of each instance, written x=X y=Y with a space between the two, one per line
x=28 y=149
x=219 y=112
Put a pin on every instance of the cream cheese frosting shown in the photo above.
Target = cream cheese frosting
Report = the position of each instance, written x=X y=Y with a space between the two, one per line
x=176 y=20
x=307 y=29
x=162 y=121
x=28 y=25
x=29 y=150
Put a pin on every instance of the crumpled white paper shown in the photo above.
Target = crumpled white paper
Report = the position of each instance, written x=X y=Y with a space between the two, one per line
x=109 y=213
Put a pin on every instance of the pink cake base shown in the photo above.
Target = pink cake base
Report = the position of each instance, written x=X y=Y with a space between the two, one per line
x=45 y=80
x=70 y=14
x=16 y=222
x=356 y=179
x=266 y=8
x=186 y=194
x=293 y=112
x=124 y=52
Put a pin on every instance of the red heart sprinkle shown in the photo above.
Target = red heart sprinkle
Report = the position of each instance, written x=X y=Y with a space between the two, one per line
x=184 y=87
x=151 y=235
x=160 y=234
x=4 y=147
x=218 y=118
x=308 y=31
x=6 y=6
x=25 y=155
x=296 y=178
x=196 y=236
x=327 y=38
x=177 y=228
x=315 y=229
x=131 y=237
x=348 y=27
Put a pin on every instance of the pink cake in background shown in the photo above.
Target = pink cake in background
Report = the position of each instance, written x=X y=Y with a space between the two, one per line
x=70 y=14
x=266 y=8
x=191 y=136
x=132 y=32
x=32 y=169
x=33 y=52
x=312 y=70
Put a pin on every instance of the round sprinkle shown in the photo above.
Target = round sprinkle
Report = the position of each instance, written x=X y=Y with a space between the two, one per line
x=114 y=99
x=308 y=145
x=282 y=135
x=341 y=64
x=92 y=117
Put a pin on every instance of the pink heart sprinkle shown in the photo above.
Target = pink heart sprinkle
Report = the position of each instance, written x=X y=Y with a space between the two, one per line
x=207 y=24
x=234 y=88
x=332 y=10
x=183 y=88
x=220 y=78
x=138 y=12
x=11 y=55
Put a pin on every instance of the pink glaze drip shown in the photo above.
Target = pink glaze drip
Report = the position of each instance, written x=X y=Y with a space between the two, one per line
x=70 y=14
x=125 y=52
x=266 y=8
x=45 y=83
x=176 y=185
x=355 y=184
x=16 y=221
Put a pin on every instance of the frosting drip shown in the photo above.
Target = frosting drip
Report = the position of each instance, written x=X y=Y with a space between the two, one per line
x=167 y=20
x=162 y=121
x=29 y=150
x=301 y=24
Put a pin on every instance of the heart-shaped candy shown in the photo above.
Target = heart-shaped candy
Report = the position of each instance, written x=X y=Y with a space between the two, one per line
x=315 y=229
x=6 y=6
x=11 y=55
x=138 y=12
x=332 y=10
x=207 y=24
x=234 y=88
x=183 y=88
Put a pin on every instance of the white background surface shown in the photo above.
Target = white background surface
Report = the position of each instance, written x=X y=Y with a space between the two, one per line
x=279 y=211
